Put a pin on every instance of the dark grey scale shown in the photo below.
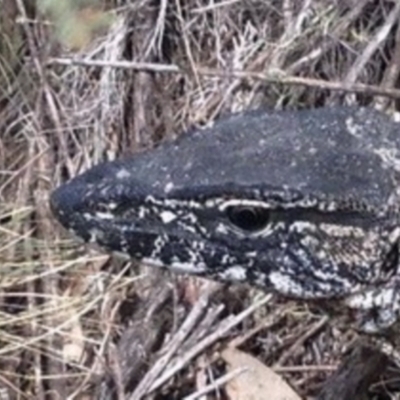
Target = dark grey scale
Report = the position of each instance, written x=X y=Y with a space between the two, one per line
x=304 y=203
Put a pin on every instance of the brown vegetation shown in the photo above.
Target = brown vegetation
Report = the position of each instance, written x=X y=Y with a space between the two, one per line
x=91 y=80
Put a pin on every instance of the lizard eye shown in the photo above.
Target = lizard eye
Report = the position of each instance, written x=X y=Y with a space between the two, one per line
x=248 y=218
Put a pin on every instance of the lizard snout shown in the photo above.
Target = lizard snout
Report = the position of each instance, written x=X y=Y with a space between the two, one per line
x=67 y=202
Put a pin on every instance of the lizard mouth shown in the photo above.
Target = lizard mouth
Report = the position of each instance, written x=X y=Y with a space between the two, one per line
x=77 y=209
x=87 y=211
x=66 y=204
x=95 y=194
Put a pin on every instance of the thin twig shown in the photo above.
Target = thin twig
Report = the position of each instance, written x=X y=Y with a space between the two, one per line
x=373 y=45
x=295 y=369
x=191 y=320
x=223 y=330
x=277 y=78
x=300 y=341
x=217 y=383
x=341 y=28
x=392 y=71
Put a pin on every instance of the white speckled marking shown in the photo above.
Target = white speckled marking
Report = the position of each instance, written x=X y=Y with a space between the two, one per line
x=153 y=262
x=112 y=206
x=123 y=174
x=243 y=202
x=390 y=157
x=300 y=226
x=168 y=187
x=188 y=267
x=221 y=228
x=285 y=285
x=372 y=299
x=235 y=273
x=353 y=128
x=167 y=216
x=342 y=231
x=177 y=266
x=104 y=215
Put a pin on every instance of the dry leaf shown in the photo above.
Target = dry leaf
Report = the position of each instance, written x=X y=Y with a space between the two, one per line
x=257 y=383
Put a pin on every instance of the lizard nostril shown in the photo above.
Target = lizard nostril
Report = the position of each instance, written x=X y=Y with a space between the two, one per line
x=248 y=218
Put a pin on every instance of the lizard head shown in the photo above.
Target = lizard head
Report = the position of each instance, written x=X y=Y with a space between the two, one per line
x=297 y=202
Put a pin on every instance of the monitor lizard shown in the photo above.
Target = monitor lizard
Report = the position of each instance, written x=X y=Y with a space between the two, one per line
x=302 y=203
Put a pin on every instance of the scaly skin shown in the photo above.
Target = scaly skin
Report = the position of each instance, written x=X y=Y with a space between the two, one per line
x=303 y=203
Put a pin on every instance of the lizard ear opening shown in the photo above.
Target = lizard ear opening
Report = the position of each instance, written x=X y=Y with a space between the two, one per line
x=247 y=218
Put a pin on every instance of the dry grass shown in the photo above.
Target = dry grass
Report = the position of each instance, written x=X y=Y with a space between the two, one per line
x=76 y=324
